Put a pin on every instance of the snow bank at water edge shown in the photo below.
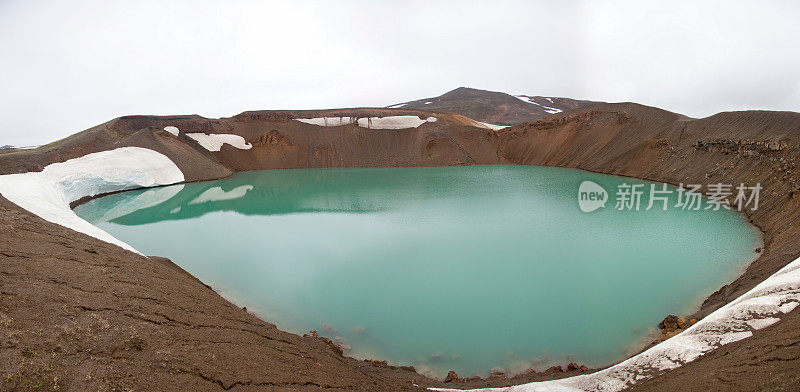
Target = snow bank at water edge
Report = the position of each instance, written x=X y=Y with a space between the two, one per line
x=754 y=310
x=49 y=192
x=214 y=141
x=390 y=122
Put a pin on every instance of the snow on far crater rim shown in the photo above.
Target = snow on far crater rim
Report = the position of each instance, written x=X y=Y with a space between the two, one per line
x=214 y=141
x=491 y=126
x=389 y=122
x=548 y=109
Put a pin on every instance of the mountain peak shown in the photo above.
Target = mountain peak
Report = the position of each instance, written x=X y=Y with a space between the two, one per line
x=494 y=107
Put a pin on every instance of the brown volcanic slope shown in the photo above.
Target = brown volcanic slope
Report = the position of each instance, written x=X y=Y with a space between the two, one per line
x=495 y=107
x=85 y=315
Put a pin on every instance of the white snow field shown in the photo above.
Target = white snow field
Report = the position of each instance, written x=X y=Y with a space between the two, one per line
x=214 y=141
x=547 y=109
x=19 y=147
x=389 y=122
x=551 y=110
x=393 y=122
x=49 y=192
x=173 y=130
x=481 y=124
x=754 y=310
x=328 y=121
x=491 y=126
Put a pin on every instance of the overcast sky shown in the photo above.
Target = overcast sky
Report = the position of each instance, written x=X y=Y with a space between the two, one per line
x=66 y=66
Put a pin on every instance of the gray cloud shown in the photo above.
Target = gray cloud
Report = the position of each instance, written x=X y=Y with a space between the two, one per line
x=70 y=65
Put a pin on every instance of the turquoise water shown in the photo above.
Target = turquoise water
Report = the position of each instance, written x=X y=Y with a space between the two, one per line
x=462 y=268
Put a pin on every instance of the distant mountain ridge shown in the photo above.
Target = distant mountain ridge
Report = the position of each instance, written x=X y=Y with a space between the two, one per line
x=495 y=107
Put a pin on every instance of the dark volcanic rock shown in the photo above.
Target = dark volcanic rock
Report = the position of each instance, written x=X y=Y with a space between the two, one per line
x=554 y=369
x=670 y=323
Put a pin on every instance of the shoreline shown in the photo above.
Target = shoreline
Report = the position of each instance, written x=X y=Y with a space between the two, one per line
x=651 y=339
x=747 y=216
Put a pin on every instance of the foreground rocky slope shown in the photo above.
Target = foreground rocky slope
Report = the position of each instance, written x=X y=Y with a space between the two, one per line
x=82 y=314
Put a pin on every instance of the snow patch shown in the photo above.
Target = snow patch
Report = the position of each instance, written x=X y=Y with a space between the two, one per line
x=399 y=105
x=389 y=122
x=551 y=110
x=486 y=125
x=762 y=323
x=172 y=130
x=526 y=99
x=428 y=103
x=492 y=126
x=328 y=121
x=754 y=310
x=49 y=192
x=548 y=109
x=393 y=122
x=214 y=141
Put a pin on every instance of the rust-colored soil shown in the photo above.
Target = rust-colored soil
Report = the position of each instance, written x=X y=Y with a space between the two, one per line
x=85 y=315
